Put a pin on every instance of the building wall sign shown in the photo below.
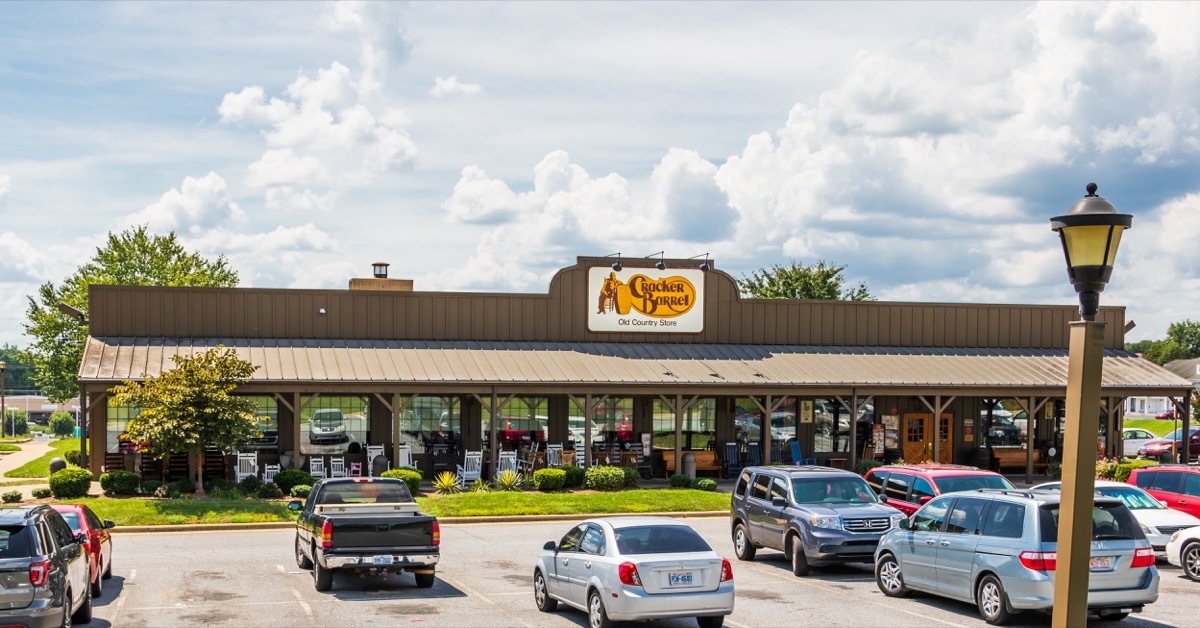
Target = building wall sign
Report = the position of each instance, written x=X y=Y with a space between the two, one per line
x=645 y=300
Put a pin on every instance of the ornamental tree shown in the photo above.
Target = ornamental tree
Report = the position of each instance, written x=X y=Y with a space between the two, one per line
x=191 y=407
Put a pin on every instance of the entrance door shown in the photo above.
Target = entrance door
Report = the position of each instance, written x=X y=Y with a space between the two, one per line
x=918 y=437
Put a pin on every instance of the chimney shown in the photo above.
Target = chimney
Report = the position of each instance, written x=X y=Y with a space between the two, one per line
x=380 y=281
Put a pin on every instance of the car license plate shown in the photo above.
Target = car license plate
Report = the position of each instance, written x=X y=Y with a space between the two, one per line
x=381 y=560
x=680 y=578
x=1101 y=563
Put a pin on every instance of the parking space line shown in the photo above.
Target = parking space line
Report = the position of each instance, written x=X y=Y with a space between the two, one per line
x=471 y=592
x=121 y=597
x=303 y=605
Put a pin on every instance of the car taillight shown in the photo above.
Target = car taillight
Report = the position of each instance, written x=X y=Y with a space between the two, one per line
x=327 y=534
x=1040 y=561
x=38 y=573
x=726 y=570
x=437 y=534
x=628 y=573
x=1143 y=557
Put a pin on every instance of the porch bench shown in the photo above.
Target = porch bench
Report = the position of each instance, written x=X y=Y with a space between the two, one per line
x=1015 y=458
x=706 y=460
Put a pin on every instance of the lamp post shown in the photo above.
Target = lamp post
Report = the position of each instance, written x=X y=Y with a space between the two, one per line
x=3 y=406
x=1090 y=233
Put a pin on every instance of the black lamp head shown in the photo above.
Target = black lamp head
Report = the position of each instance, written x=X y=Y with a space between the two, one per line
x=1090 y=233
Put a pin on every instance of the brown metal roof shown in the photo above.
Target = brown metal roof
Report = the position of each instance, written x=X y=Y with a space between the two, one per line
x=564 y=365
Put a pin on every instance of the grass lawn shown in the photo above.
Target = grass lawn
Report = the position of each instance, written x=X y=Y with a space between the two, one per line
x=136 y=511
x=1159 y=427
x=9 y=447
x=40 y=468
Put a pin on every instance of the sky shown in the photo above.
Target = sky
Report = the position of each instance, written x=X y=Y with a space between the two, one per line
x=483 y=146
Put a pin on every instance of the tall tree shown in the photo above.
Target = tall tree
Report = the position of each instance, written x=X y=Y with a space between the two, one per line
x=133 y=257
x=191 y=407
x=18 y=374
x=798 y=281
x=1182 y=343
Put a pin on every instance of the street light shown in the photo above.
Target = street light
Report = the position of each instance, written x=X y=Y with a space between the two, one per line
x=3 y=406
x=1090 y=232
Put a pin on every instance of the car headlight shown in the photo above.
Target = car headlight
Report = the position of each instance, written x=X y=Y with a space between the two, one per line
x=1148 y=530
x=833 y=522
x=1174 y=537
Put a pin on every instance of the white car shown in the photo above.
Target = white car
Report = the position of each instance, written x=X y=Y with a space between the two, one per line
x=1158 y=522
x=1183 y=550
x=1133 y=438
x=634 y=568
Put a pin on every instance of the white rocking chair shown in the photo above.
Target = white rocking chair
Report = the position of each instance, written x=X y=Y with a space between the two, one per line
x=553 y=456
x=316 y=467
x=337 y=467
x=404 y=457
x=269 y=472
x=471 y=468
x=247 y=466
x=508 y=462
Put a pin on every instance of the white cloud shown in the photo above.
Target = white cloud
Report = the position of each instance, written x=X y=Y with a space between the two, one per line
x=20 y=261
x=282 y=166
x=287 y=198
x=452 y=86
x=5 y=187
x=196 y=206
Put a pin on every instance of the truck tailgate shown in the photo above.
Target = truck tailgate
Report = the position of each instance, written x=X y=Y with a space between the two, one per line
x=370 y=533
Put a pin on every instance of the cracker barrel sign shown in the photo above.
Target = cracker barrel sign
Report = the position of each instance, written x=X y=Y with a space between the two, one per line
x=645 y=300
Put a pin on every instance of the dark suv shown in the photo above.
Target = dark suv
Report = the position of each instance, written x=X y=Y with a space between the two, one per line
x=814 y=515
x=44 y=572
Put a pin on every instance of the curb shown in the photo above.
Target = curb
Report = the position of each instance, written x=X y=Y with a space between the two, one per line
x=285 y=525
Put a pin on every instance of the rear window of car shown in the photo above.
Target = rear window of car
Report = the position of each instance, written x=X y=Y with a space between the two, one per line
x=365 y=493
x=661 y=539
x=72 y=519
x=14 y=541
x=951 y=484
x=1005 y=520
x=1109 y=522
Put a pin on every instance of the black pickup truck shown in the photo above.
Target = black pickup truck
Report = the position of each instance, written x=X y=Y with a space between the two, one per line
x=365 y=525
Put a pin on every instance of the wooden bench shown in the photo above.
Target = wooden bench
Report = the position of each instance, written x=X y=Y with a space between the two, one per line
x=1015 y=458
x=706 y=460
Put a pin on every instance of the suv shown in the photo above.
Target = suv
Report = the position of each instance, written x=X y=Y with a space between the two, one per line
x=998 y=549
x=908 y=487
x=1176 y=486
x=327 y=425
x=46 y=572
x=814 y=515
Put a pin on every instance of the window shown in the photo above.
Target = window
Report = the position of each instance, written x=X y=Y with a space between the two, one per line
x=742 y=484
x=836 y=490
x=831 y=424
x=971 y=482
x=921 y=488
x=118 y=421
x=761 y=485
x=1005 y=520
x=521 y=422
x=1109 y=522
x=778 y=489
x=593 y=542
x=929 y=518
x=1145 y=479
x=877 y=481
x=611 y=423
x=328 y=424
x=266 y=420
x=570 y=542
x=897 y=486
x=699 y=425
x=62 y=532
x=430 y=421
x=1191 y=485
x=661 y=539
x=14 y=541
x=964 y=516
x=1169 y=481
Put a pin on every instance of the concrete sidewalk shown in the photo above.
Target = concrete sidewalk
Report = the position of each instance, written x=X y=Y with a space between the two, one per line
x=31 y=450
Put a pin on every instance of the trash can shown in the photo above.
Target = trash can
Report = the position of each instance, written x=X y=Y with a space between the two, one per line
x=689 y=465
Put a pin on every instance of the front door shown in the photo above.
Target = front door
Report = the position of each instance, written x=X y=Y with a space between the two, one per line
x=918 y=438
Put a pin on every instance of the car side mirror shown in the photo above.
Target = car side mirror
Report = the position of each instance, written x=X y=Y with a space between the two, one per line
x=81 y=538
x=550 y=546
x=781 y=502
x=924 y=499
x=295 y=506
x=905 y=524
x=108 y=523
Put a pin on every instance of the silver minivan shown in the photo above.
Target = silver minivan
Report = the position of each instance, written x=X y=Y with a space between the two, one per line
x=997 y=549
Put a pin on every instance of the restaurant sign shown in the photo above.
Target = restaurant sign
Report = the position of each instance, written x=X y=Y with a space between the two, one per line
x=645 y=300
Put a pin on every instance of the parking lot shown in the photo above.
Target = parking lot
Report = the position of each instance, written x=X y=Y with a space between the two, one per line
x=249 y=578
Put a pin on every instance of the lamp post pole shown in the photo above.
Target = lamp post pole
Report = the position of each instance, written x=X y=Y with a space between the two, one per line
x=3 y=405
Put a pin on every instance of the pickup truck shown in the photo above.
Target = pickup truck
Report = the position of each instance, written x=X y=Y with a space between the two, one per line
x=365 y=525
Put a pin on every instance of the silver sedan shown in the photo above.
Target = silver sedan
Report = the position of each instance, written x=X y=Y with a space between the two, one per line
x=634 y=568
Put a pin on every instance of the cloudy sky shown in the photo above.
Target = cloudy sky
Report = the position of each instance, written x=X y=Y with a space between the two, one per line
x=482 y=146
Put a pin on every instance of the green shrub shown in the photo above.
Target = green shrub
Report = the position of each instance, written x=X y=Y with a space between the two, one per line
x=1054 y=470
x=413 y=469
x=1107 y=468
x=705 y=484
x=479 y=486
x=510 y=480
x=149 y=486
x=17 y=421
x=549 y=479
x=61 y=424
x=631 y=477
x=249 y=485
x=866 y=464
x=605 y=478
x=11 y=497
x=168 y=491
x=680 y=480
x=72 y=457
x=446 y=483
x=70 y=483
x=301 y=490
x=225 y=493
x=288 y=478
x=575 y=476
x=40 y=492
x=1121 y=474
x=220 y=484
x=269 y=490
x=185 y=486
x=120 y=482
x=410 y=476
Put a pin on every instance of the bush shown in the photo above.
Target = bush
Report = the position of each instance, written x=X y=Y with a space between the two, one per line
x=510 y=480
x=446 y=483
x=301 y=490
x=549 y=479
x=185 y=486
x=479 y=486
x=269 y=490
x=120 y=482
x=70 y=483
x=411 y=477
x=1107 y=468
x=1121 y=474
x=61 y=424
x=631 y=477
x=705 y=484
x=862 y=466
x=605 y=478
x=11 y=497
x=40 y=492
x=149 y=486
x=575 y=476
x=219 y=484
x=72 y=457
x=16 y=420
x=680 y=480
x=288 y=478
x=250 y=485
x=168 y=491
x=225 y=493
x=413 y=469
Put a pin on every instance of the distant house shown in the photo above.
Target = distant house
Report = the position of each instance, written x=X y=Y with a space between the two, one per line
x=1187 y=369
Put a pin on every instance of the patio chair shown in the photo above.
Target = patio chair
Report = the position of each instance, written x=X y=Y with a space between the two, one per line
x=471 y=467
x=753 y=455
x=776 y=451
x=316 y=467
x=798 y=456
x=508 y=462
x=731 y=460
x=247 y=466
x=581 y=458
x=404 y=455
x=337 y=467
x=529 y=462
x=553 y=456
x=269 y=472
x=354 y=470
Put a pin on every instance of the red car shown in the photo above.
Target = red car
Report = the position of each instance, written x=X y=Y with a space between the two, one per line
x=908 y=487
x=98 y=544
x=1177 y=486
x=1167 y=414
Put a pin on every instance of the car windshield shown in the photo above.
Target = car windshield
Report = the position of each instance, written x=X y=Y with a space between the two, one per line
x=327 y=421
x=659 y=539
x=832 y=490
x=1109 y=522
x=14 y=541
x=971 y=482
x=1135 y=499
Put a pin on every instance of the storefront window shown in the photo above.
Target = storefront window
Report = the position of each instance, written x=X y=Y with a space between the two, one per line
x=699 y=425
x=118 y=421
x=330 y=424
x=266 y=419
x=832 y=425
x=1008 y=424
x=747 y=422
x=612 y=422
x=429 y=421
x=520 y=423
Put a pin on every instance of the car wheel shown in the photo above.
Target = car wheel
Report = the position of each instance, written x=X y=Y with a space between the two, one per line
x=302 y=561
x=1190 y=559
x=425 y=580
x=800 y=565
x=992 y=601
x=322 y=577
x=97 y=586
x=742 y=546
x=66 y=614
x=711 y=621
x=541 y=596
x=107 y=569
x=889 y=578
x=597 y=618
x=84 y=614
